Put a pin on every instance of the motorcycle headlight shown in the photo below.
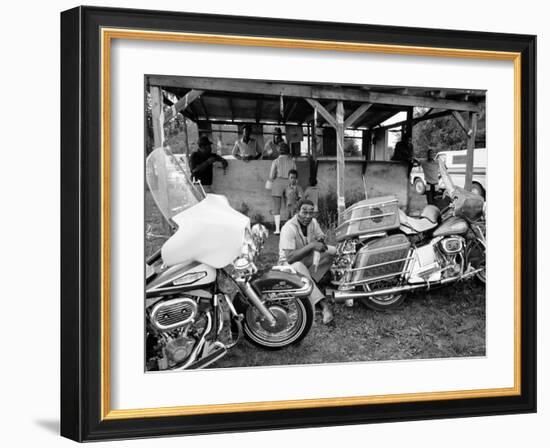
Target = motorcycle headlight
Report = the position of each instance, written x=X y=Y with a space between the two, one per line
x=241 y=263
x=244 y=267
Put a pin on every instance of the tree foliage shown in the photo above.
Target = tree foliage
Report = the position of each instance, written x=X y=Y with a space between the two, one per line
x=444 y=134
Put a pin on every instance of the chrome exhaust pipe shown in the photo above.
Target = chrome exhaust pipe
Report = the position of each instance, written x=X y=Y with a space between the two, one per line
x=198 y=347
x=342 y=296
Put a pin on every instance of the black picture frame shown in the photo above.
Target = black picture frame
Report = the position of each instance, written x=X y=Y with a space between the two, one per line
x=81 y=224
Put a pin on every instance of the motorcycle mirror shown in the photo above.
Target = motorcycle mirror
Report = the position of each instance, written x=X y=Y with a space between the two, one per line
x=259 y=232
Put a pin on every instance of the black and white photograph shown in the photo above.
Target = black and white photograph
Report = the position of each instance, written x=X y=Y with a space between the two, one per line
x=293 y=223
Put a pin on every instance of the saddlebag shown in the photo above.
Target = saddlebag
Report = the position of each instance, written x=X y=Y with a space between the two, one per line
x=369 y=216
x=382 y=259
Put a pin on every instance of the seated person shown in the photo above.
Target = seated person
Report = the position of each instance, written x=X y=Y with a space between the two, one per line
x=301 y=237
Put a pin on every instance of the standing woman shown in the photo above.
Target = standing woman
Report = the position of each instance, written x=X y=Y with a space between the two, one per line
x=279 y=176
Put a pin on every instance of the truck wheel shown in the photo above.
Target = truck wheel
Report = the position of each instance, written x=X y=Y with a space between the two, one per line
x=419 y=186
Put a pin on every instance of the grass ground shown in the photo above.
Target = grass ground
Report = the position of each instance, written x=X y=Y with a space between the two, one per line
x=443 y=323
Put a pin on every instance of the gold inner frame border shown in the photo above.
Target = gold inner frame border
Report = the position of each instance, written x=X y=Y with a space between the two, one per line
x=107 y=35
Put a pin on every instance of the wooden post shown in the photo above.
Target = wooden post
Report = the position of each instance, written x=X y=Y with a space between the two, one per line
x=366 y=144
x=158 y=116
x=314 y=142
x=470 y=152
x=308 y=139
x=185 y=138
x=340 y=162
x=408 y=126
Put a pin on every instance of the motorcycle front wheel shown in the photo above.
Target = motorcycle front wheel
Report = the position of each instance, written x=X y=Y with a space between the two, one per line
x=475 y=255
x=294 y=318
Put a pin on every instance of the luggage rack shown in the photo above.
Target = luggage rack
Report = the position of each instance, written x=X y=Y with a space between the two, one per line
x=369 y=216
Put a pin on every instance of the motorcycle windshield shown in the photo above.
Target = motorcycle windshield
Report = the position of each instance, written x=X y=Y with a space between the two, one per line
x=466 y=203
x=210 y=232
x=445 y=177
x=169 y=181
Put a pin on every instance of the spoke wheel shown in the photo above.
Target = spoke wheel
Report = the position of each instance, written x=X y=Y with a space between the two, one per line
x=383 y=302
x=476 y=257
x=293 y=320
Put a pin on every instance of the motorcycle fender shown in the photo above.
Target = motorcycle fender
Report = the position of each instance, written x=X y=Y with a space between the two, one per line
x=274 y=281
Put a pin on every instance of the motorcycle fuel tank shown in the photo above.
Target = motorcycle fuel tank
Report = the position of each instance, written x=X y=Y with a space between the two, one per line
x=183 y=276
x=453 y=226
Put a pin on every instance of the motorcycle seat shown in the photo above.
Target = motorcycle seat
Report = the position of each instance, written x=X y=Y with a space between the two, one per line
x=418 y=225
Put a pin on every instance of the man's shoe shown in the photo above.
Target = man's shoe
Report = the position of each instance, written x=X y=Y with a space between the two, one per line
x=328 y=317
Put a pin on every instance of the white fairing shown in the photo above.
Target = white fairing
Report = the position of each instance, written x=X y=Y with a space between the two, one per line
x=210 y=232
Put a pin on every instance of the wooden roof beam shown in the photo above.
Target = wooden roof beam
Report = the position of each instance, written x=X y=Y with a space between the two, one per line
x=329 y=107
x=416 y=120
x=321 y=110
x=310 y=91
x=465 y=127
x=182 y=104
x=358 y=113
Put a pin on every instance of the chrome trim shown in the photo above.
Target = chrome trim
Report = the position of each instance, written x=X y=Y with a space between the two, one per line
x=370 y=280
x=178 y=281
x=305 y=290
x=230 y=305
x=237 y=318
x=408 y=268
x=340 y=296
x=375 y=204
x=198 y=347
x=257 y=302
x=372 y=235
x=156 y=309
x=170 y=279
x=362 y=218
x=395 y=246
x=379 y=264
x=219 y=346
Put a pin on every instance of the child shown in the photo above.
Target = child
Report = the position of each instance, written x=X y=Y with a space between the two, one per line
x=279 y=167
x=293 y=193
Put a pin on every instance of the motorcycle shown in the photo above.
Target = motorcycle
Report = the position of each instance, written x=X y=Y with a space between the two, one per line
x=204 y=290
x=382 y=253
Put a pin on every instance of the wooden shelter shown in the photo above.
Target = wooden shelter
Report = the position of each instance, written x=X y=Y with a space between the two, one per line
x=337 y=106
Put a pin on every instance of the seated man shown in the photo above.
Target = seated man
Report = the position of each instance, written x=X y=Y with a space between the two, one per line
x=301 y=238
